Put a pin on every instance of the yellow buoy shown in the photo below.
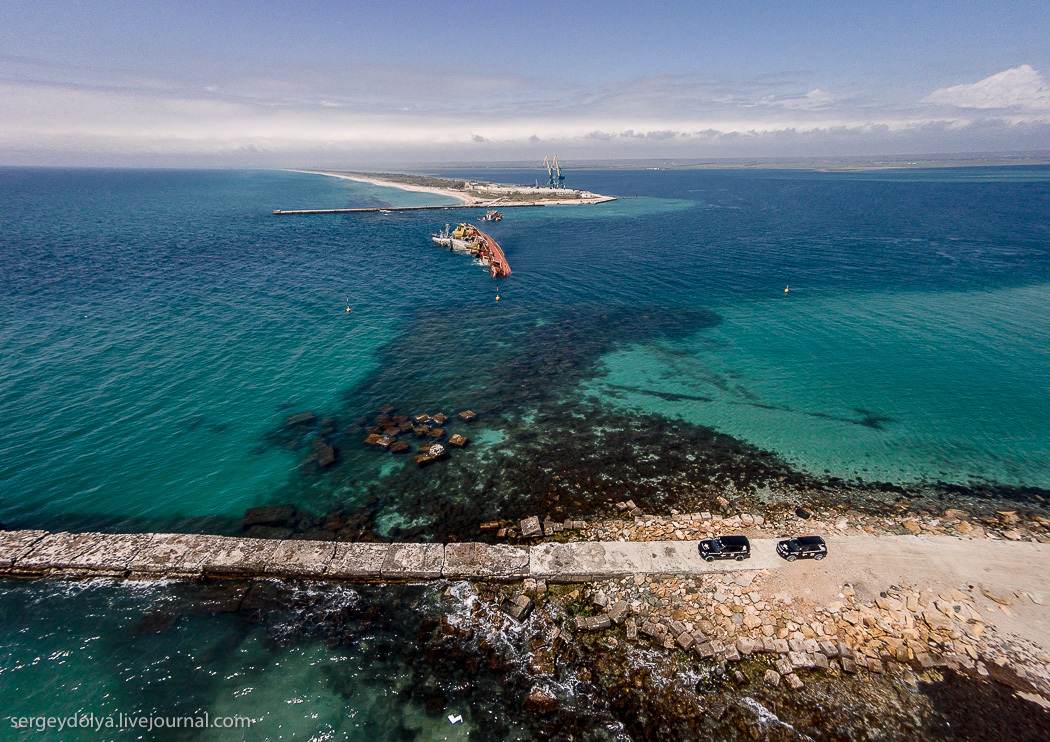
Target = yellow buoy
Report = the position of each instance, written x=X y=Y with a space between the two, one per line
x=785 y=289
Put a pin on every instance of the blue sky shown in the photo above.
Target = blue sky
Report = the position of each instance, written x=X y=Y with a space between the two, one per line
x=257 y=83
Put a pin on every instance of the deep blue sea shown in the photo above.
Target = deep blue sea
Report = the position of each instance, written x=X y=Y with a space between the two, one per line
x=158 y=327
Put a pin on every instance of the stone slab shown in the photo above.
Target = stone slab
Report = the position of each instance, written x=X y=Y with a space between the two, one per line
x=301 y=558
x=587 y=561
x=238 y=557
x=414 y=561
x=361 y=561
x=474 y=560
x=171 y=555
x=16 y=544
x=110 y=556
x=54 y=552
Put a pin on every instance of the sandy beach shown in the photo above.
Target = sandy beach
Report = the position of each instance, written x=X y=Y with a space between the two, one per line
x=496 y=201
x=390 y=184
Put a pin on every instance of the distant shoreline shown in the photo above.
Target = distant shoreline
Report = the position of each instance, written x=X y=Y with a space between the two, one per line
x=816 y=164
x=472 y=193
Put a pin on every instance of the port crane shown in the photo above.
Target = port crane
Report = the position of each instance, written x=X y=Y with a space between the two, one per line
x=554 y=177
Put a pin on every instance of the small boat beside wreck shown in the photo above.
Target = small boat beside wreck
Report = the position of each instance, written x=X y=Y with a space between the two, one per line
x=468 y=239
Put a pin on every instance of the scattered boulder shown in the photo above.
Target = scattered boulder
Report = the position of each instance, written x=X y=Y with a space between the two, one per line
x=519 y=607
x=618 y=611
x=593 y=623
x=302 y=418
x=804 y=515
x=467 y=416
x=540 y=701
x=458 y=440
x=399 y=447
x=323 y=454
x=439 y=418
x=387 y=409
x=421 y=419
x=999 y=596
x=431 y=453
x=936 y=620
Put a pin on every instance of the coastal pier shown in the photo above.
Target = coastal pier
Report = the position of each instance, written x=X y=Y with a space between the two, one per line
x=63 y=555
x=378 y=209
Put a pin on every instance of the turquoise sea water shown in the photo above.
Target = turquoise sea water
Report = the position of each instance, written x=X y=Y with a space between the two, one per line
x=158 y=326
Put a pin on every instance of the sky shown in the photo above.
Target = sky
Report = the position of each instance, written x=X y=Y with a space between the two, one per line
x=314 y=83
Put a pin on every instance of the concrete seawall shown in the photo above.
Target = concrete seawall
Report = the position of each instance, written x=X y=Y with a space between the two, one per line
x=30 y=554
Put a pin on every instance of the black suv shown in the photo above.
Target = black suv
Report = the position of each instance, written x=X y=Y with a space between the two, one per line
x=803 y=547
x=725 y=547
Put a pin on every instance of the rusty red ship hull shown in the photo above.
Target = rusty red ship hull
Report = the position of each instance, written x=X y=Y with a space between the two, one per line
x=469 y=239
x=498 y=266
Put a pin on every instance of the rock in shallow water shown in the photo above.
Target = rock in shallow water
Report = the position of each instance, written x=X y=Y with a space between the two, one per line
x=268 y=515
x=541 y=702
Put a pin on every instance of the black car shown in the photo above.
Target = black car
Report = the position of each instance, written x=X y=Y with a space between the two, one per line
x=725 y=547
x=803 y=547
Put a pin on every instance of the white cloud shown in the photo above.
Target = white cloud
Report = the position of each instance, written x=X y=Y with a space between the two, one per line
x=1021 y=87
x=266 y=120
x=814 y=99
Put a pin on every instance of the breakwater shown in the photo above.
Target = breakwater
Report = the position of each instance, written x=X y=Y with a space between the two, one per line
x=192 y=556
x=374 y=209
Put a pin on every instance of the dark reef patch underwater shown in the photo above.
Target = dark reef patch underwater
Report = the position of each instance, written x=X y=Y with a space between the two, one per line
x=558 y=452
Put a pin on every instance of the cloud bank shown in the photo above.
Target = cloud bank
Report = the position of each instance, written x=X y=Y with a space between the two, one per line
x=52 y=115
x=1021 y=88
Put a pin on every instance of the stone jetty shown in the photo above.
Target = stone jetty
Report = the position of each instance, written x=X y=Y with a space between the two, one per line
x=875 y=602
x=194 y=556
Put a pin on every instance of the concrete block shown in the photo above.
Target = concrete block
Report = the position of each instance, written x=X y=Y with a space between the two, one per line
x=171 y=555
x=16 y=544
x=238 y=557
x=54 y=552
x=301 y=558
x=414 y=561
x=618 y=611
x=110 y=556
x=530 y=527
x=473 y=560
x=360 y=561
